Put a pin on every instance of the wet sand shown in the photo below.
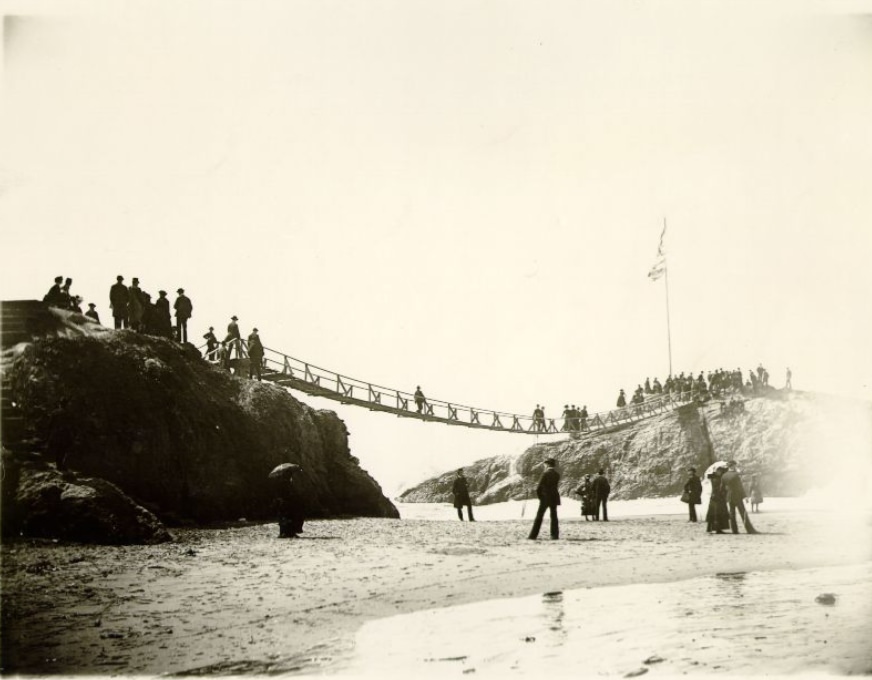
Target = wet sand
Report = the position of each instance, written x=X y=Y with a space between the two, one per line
x=240 y=601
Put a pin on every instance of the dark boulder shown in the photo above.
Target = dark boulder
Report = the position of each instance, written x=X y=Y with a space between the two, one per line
x=40 y=502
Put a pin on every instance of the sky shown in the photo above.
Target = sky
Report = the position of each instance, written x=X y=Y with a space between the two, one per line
x=466 y=196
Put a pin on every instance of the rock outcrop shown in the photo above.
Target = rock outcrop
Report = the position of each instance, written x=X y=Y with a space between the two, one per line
x=39 y=501
x=794 y=441
x=184 y=439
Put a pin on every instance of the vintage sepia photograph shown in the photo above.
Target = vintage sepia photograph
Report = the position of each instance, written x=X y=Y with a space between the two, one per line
x=436 y=338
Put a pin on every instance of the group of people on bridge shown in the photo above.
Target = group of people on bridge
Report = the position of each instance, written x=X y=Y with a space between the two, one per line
x=220 y=352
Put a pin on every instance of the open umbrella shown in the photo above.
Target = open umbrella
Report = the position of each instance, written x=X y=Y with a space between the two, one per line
x=714 y=466
x=285 y=469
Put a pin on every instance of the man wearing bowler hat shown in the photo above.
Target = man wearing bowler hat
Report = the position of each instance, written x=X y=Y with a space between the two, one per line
x=184 y=309
x=549 y=497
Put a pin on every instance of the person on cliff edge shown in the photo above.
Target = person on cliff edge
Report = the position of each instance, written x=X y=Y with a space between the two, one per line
x=461 y=496
x=549 y=498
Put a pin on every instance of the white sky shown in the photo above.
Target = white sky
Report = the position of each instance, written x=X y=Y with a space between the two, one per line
x=462 y=195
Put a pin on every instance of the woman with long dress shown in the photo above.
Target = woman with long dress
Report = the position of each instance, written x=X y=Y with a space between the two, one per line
x=718 y=517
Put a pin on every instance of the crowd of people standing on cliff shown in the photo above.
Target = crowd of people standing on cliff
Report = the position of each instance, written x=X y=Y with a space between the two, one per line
x=718 y=384
x=133 y=309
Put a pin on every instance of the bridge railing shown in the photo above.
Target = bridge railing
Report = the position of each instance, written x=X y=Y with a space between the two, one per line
x=345 y=388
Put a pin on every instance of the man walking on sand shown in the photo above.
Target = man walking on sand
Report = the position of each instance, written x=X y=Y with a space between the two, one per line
x=549 y=498
x=461 y=496
x=601 y=490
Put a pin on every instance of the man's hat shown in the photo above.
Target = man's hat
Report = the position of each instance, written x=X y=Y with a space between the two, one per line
x=211 y=328
x=180 y=290
x=234 y=318
x=254 y=330
x=135 y=280
x=58 y=279
x=91 y=304
x=550 y=461
x=161 y=292
x=119 y=278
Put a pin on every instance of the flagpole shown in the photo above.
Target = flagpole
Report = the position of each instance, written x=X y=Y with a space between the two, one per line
x=668 y=329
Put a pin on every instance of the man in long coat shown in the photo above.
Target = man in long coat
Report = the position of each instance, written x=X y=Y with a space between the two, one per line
x=461 y=496
x=693 y=489
x=162 y=315
x=731 y=484
x=118 y=297
x=184 y=309
x=549 y=498
x=234 y=339
x=601 y=491
x=255 y=355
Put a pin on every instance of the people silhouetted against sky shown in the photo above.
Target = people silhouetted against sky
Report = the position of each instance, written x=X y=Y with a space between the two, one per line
x=118 y=297
x=184 y=309
x=420 y=400
x=255 y=355
x=233 y=338
x=92 y=312
x=211 y=344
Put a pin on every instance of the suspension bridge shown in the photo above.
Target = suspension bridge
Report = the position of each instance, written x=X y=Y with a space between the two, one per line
x=295 y=374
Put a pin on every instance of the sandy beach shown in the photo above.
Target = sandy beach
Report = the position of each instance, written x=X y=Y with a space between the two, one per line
x=236 y=600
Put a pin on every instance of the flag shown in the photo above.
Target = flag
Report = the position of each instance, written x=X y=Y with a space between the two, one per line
x=659 y=267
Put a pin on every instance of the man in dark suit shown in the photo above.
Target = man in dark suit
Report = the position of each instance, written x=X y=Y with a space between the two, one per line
x=693 y=489
x=461 y=496
x=184 y=309
x=732 y=487
x=601 y=491
x=118 y=296
x=549 y=497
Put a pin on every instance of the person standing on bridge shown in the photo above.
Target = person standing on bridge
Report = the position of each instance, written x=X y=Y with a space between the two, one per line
x=211 y=343
x=583 y=417
x=788 y=385
x=622 y=399
x=461 y=496
x=420 y=400
x=233 y=339
x=118 y=297
x=539 y=419
x=549 y=498
x=255 y=355
x=184 y=309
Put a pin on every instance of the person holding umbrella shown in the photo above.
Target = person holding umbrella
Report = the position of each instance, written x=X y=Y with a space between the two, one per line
x=288 y=504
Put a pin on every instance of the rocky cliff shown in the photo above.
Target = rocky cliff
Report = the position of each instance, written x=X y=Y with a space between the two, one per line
x=794 y=441
x=184 y=439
